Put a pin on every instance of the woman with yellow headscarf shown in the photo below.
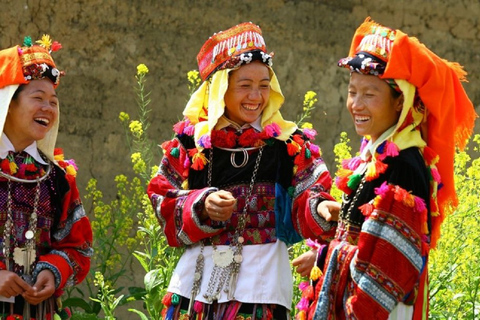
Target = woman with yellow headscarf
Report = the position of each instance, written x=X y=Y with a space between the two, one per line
x=412 y=111
x=236 y=185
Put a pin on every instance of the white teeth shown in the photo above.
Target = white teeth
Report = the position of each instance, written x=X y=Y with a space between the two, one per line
x=251 y=107
x=361 y=119
x=43 y=121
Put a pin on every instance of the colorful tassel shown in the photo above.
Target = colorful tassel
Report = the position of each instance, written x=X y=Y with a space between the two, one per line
x=392 y=149
x=272 y=130
x=371 y=172
x=302 y=315
x=175 y=152
x=366 y=209
x=354 y=181
x=382 y=190
x=315 y=273
x=293 y=148
x=435 y=175
x=198 y=307
x=420 y=205
x=308 y=154
x=309 y=293
x=380 y=167
x=354 y=163
x=303 y=285
x=167 y=299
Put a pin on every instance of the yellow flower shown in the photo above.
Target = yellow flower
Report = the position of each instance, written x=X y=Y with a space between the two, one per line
x=123 y=116
x=136 y=156
x=142 y=69
x=310 y=95
x=192 y=76
x=136 y=128
x=307 y=125
x=45 y=42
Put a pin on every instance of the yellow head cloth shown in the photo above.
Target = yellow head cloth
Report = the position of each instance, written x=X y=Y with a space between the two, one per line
x=207 y=105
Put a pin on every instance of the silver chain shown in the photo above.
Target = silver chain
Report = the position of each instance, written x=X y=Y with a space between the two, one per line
x=219 y=276
x=32 y=226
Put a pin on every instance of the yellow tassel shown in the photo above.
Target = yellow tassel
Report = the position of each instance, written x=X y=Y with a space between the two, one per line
x=185 y=185
x=371 y=171
x=302 y=315
x=13 y=167
x=315 y=273
x=71 y=170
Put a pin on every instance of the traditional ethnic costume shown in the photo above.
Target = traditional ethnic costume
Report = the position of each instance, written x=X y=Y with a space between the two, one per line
x=42 y=220
x=238 y=269
x=398 y=190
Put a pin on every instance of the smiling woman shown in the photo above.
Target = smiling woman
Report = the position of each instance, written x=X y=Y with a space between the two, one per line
x=236 y=186
x=32 y=113
x=45 y=234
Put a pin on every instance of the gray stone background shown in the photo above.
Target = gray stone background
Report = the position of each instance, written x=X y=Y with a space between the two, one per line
x=104 y=40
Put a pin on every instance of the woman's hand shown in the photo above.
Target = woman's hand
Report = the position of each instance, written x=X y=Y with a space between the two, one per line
x=219 y=206
x=305 y=262
x=11 y=285
x=43 y=289
x=329 y=210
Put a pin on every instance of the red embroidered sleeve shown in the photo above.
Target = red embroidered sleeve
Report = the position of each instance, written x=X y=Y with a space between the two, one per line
x=177 y=209
x=390 y=253
x=69 y=259
x=312 y=183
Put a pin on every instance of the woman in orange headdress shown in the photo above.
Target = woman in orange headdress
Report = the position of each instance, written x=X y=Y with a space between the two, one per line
x=236 y=185
x=412 y=111
x=45 y=235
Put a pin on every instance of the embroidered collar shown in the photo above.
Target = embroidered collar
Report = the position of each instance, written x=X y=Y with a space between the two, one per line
x=6 y=146
x=224 y=122
x=371 y=147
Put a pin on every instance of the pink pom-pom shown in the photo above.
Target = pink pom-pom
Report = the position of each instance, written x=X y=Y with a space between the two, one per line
x=303 y=285
x=419 y=204
x=314 y=149
x=186 y=163
x=178 y=127
x=205 y=141
x=382 y=190
x=189 y=130
x=392 y=149
x=198 y=307
x=272 y=130
x=363 y=144
x=310 y=133
x=302 y=304
x=354 y=163
x=436 y=175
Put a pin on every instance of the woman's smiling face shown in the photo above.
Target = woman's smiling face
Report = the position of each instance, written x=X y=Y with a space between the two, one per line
x=372 y=105
x=31 y=114
x=248 y=92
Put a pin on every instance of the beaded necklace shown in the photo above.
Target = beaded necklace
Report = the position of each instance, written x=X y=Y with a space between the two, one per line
x=22 y=257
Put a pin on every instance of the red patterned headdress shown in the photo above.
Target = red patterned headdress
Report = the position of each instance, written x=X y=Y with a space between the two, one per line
x=19 y=65
x=230 y=48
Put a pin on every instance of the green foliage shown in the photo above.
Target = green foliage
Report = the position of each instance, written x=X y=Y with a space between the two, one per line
x=454 y=265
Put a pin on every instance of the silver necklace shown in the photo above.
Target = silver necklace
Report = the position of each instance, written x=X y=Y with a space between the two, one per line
x=226 y=262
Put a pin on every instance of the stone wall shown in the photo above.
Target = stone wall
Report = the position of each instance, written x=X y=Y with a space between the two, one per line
x=104 y=41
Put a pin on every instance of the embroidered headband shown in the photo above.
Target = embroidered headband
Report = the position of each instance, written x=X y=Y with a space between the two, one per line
x=231 y=48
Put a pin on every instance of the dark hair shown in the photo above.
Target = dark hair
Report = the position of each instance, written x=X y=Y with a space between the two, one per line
x=395 y=93
x=17 y=92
